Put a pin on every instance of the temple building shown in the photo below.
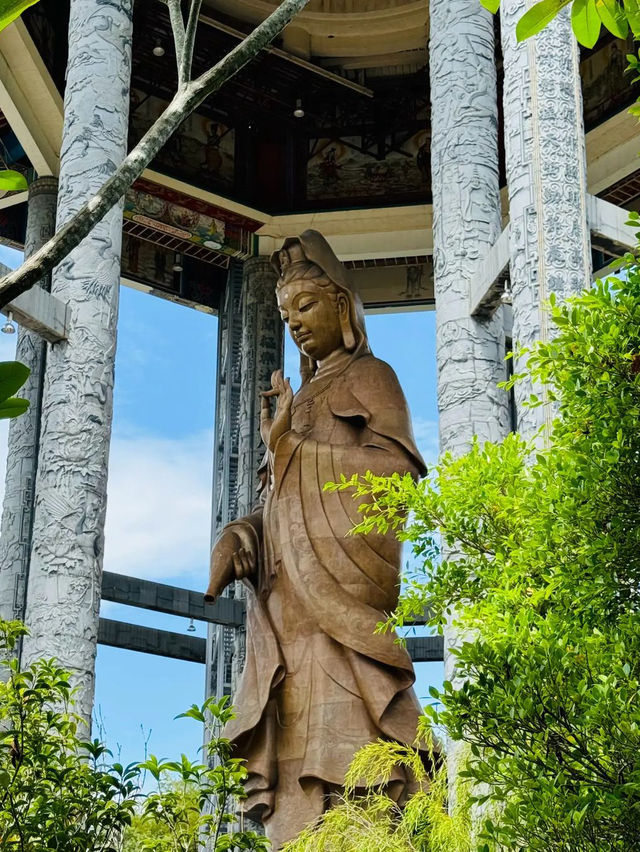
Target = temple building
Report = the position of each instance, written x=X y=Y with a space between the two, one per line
x=450 y=168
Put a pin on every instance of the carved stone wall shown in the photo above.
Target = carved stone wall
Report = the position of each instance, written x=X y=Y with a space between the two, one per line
x=466 y=212
x=68 y=536
x=546 y=176
x=24 y=431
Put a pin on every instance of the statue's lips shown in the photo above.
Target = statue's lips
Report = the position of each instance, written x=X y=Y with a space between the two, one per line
x=301 y=338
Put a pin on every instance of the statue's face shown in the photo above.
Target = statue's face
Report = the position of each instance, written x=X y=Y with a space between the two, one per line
x=313 y=317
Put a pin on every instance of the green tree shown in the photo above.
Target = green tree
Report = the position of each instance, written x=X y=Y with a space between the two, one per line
x=55 y=790
x=61 y=791
x=192 y=801
x=546 y=586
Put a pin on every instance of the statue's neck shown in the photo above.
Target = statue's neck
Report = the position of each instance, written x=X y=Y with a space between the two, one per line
x=332 y=364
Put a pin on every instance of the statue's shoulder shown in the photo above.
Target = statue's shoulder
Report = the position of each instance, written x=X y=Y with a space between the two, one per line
x=371 y=373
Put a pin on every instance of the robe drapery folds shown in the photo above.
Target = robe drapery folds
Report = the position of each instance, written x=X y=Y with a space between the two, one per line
x=318 y=682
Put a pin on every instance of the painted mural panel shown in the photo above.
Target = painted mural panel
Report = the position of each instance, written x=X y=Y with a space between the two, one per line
x=188 y=218
x=201 y=151
x=351 y=168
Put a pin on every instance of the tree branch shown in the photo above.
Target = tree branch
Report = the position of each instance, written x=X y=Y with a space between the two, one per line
x=177 y=28
x=189 y=42
x=183 y=104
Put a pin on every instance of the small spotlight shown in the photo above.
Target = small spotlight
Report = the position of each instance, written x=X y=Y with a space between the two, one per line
x=9 y=327
x=191 y=628
x=298 y=111
x=177 y=262
x=158 y=50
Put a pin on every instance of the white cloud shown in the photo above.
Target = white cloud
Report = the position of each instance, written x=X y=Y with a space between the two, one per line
x=159 y=506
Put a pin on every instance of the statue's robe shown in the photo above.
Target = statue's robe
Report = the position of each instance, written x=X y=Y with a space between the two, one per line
x=319 y=682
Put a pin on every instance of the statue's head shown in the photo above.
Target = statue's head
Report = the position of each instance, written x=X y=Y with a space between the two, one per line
x=316 y=299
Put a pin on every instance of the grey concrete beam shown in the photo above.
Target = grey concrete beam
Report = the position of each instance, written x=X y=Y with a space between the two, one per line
x=149 y=640
x=487 y=288
x=164 y=643
x=173 y=600
x=609 y=229
x=426 y=649
x=40 y=312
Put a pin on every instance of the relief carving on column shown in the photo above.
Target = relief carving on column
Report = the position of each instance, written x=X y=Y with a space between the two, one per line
x=64 y=588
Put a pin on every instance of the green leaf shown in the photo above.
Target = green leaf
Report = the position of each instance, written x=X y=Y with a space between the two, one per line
x=585 y=22
x=632 y=10
x=13 y=375
x=612 y=16
x=11 y=181
x=537 y=17
x=13 y=407
x=491 y=5
x=12 y=9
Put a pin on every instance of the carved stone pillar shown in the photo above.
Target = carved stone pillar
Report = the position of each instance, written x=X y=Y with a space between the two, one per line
x=262 y=353
x=466 y=214
x=550 y=243
x=24 y=431
x=466 y=221
x=251 y=348
x=68 y=536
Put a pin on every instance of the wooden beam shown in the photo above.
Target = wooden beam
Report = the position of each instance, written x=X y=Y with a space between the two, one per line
x=148 y=640
x=173 y=600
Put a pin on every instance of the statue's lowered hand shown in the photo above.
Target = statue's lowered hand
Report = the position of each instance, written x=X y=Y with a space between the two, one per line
x=232 y=559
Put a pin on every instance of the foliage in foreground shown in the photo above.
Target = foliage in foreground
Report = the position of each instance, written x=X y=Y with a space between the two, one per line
x=374 y=823
x=546 y=588
x=59 y=790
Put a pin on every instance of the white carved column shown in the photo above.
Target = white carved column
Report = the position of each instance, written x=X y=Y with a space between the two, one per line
x=466 y=222
x=24 y=431
x=68 y=536
x=550 y=244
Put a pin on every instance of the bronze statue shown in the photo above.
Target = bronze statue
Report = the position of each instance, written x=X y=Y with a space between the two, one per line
x=318 y=682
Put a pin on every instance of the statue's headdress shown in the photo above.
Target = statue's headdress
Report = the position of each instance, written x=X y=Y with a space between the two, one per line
x=310 y=256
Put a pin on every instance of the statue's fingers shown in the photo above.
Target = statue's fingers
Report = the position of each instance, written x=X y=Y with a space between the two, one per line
x=237 y=565
x=246 y=562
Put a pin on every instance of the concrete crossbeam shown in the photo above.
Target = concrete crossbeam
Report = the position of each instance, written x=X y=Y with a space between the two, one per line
x=41 y=312
x=148 y=640
x=164 y=643
x=173 y=600
x=486 y=289
x=609 y=229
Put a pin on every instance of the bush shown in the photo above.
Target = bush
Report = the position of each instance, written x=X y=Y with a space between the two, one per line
x=545 y=586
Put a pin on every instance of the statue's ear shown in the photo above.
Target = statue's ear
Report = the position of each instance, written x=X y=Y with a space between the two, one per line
x=348 y=337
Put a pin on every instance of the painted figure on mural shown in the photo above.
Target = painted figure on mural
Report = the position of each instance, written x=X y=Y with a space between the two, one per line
x=318 y=682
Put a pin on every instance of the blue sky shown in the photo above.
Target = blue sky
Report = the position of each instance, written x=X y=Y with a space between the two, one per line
x=158 y=515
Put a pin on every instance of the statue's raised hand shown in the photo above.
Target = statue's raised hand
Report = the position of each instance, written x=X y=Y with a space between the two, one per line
x=273 y=428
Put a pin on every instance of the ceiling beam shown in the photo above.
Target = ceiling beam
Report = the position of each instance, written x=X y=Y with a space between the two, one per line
x=29 y=99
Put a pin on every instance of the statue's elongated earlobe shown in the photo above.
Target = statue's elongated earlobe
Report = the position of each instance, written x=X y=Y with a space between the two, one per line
x=348 y=337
